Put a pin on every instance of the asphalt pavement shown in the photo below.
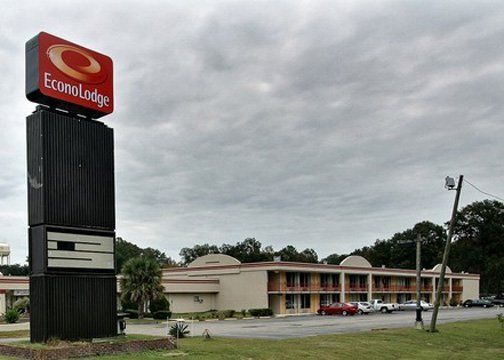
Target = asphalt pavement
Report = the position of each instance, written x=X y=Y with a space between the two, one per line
x=310 y=325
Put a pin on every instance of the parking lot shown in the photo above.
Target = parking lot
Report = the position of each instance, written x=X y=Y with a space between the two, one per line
x=309 y=325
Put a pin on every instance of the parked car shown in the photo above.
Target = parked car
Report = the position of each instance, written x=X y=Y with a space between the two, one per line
x=411 y=305
x=380 y=305
x=337 y=308
x=498 y=300
x=362 y=307
x=478 y=302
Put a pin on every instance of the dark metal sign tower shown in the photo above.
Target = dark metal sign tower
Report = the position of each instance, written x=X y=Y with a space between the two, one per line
x=71 y=201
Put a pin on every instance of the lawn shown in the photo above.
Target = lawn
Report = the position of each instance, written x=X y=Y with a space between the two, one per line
x=481 y=339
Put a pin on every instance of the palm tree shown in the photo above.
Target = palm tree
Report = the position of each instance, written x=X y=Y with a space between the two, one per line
x=141 y=282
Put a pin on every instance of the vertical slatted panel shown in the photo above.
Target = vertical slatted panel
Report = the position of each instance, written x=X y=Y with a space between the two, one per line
x=38 y=311
x=73 y=307
x=78 y=168
x=35 y=171
x=80 y=189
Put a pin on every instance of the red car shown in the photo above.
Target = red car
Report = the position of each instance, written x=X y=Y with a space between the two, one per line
x=337 y=308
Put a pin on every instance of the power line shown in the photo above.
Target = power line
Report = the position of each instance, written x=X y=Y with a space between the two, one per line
x=483 y=192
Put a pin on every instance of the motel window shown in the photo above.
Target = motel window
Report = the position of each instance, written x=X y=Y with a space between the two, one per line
x=335 y=298
x=335 y=279
x=324 y=280
x=304 y=279
x=291 y=279
x=325 y=300
x=305 y=301
x=290 y=301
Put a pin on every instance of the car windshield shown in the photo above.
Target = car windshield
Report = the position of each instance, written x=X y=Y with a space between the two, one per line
x=364 y=304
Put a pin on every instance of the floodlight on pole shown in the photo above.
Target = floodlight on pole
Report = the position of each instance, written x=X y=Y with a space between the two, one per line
x=450 y=183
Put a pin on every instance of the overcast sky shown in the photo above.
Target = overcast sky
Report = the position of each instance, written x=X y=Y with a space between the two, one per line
x=317 y=124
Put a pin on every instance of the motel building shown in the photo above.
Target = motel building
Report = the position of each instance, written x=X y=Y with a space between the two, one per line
x=222 y=282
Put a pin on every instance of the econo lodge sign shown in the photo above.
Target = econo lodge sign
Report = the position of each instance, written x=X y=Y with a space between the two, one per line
x=68 y=76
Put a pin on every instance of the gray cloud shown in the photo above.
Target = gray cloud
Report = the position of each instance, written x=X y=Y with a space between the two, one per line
x=317 y=124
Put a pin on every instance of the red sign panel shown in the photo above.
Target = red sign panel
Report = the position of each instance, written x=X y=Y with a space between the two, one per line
x=68 y=76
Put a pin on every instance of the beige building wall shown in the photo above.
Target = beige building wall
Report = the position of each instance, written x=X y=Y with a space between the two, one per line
x=3 y=304
x=181 y=303
x=470 y=289
x=243 y=290
x=275 y=303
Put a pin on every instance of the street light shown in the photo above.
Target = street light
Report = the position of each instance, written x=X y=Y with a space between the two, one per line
x=418 y=320
x=450 y=185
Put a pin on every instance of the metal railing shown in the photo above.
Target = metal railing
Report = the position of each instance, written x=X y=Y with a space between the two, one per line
x=284 y=287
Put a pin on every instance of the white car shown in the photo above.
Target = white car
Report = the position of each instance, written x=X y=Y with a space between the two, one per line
x=363 y=307
x=411 y=305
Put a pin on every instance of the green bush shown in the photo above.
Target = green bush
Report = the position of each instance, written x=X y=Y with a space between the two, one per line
x=21 y=305
x=224 y=314
x=261 y=312
x=179 y=330
x=132 y=314
x=229 y=313
x=212 y=314
x=128 y=304
x=453 y=302
x=160 y=304
x=162 y=315
x=243 y=312
x=11 y=316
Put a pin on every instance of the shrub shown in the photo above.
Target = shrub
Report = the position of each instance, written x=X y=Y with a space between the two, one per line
x=261 y=312
x=160 y=304
x=21 y=305
x=223 y=314
x=132 y=314
x=162 y=315
x=453 y=302
x=179 y=330
x=11 y=316
x=229 y=313
x=243 y=312
x=128 y=304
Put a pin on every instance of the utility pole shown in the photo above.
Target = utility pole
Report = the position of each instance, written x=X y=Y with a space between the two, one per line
x=439 y=293
x=418 y=322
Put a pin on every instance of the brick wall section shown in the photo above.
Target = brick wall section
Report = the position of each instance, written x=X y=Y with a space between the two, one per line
x=85 y=350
